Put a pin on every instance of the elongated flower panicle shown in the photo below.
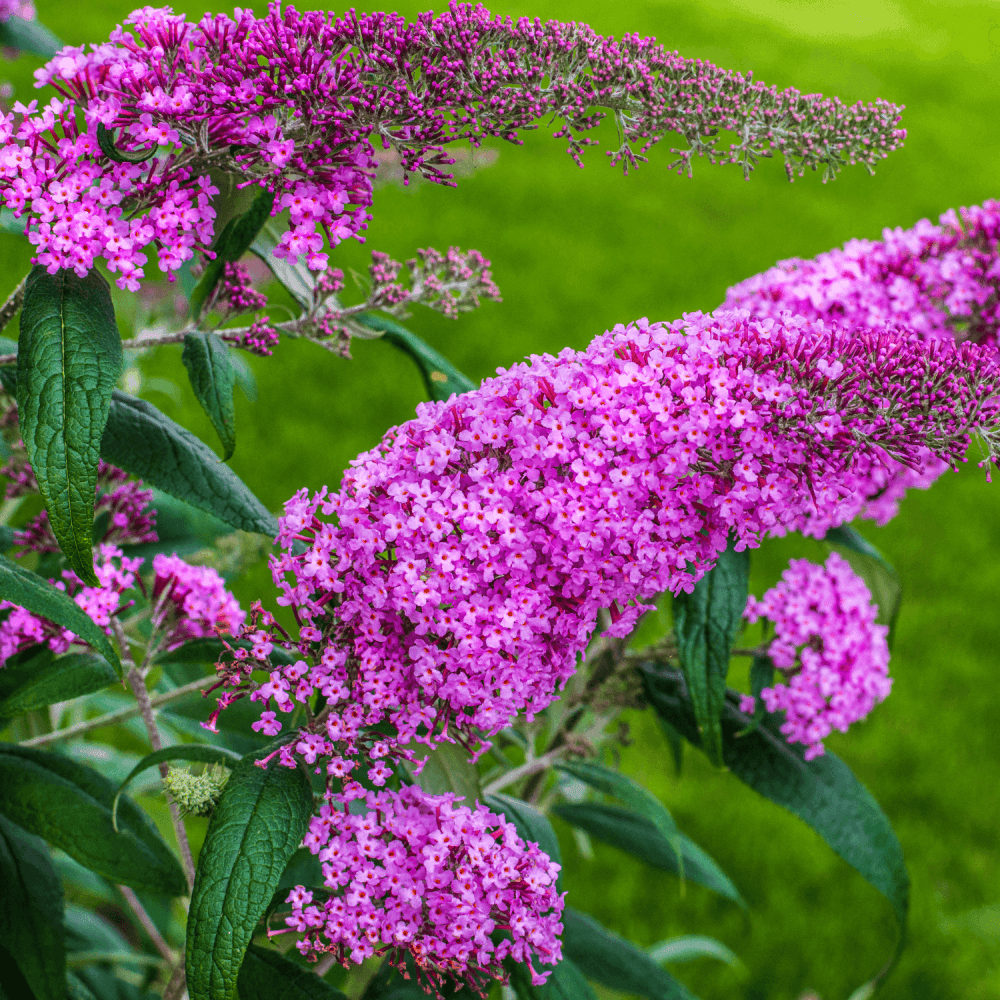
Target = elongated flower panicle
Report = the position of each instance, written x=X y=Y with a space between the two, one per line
x=422 y=874
x=291 y=103
x=116 y=574
x=833 y=657
x=191 y=602
x=474 y=547
x=941 y=281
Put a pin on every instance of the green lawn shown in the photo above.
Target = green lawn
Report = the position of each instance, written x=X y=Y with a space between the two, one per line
x=574 y=251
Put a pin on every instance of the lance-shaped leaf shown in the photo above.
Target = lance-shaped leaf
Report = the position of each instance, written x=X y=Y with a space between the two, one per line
x=61 y=680
x=629 y=793
x=28 y=36
x=106 y=140
x=441 y=377
x=210 y=371
x=256 y=827
x=688 y=947
x=69 y=358
x=31 y=911
x=69 y=806
x=142 y=440
x=878 y=573
x=267 y=975
x=184 y=751
x=705 y=624
x=605 y=958
x=823 y=792
x=27 y=590
x=637 y=836
x=447 y=768
x=233 y=243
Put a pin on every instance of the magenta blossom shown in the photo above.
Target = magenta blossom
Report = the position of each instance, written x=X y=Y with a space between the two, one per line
x=472 y=550
x=422 y=874
x=191 y=602
x=292 y=103
x=832 y=657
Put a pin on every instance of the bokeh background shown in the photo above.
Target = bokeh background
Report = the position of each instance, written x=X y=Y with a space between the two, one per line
x=576 y=251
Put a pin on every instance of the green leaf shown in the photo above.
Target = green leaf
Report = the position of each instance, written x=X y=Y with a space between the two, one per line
x=267 y=975
x=256 y=827
x=142 y=440
x=210 y=370
x=688 y=947
x=88 y=933
x=823 y=792
x=447 y=768
x=761 y=676
x=441 y=377
x=69 y=358
x=184 y=751
x=705 y=624
x=31 y=911
x=629 y=793
x=231 y=245
x=61 y=680
x=106 y=140
x=29 y=36
x=13 y=226
x=69 y=806
x=27 y=590
x=605 y=958
x=878 y=573
x=637 y=836
x=297 y=278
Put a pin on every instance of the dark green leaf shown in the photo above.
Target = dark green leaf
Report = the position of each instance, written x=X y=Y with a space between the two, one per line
x=69 y=358
x=256 y=827
x=106 y=140
x=31 y=911
x=29 y=36
x=705 y=623
x=13 y=985
x=61 y=680
x=8 y=224
x=184 y=751
x=607 y=959
x=823 y=792
x=142 y=440
x=231 y=245
x=87 y=932
x=447 y=768
x=878 y=573
x=441 y=377
x=761 y=676
x=629 y=793
x=210 y=370
x=69 y=805
x=676 y=742
x=637 y=836
x=267 y=975
x=297 y=278
x=25 y=589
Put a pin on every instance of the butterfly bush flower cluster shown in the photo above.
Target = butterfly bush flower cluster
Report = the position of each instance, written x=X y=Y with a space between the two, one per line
x=420 y=873
x=941 y=281
x=469 y=554
x=191 y=602
x=833 y=658
x=120 y=162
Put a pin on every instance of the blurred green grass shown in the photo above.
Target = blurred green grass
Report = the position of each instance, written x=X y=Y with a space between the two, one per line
x=576 y=251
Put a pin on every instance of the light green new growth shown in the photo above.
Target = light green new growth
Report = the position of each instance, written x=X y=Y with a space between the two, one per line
x=196 y=793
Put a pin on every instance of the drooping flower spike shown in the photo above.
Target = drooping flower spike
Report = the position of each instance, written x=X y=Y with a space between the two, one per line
x=471 y=551
x=940 y=281
x=292 y=103
x=833 y=660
